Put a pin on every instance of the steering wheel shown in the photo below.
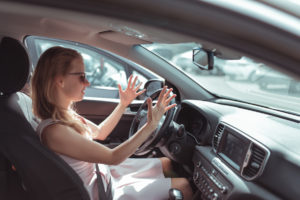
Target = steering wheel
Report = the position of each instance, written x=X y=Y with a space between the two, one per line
x=141 y=118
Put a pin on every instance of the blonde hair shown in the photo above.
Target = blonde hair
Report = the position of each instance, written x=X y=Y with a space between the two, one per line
x=54 y=61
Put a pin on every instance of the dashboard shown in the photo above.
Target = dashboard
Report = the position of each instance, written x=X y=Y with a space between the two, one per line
x=241 y=153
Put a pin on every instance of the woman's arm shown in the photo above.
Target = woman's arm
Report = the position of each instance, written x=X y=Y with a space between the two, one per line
x=126 y=97
x=65 y=140
x=101 y=131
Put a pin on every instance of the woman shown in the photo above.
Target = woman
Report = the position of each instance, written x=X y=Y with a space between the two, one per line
x=59 y=81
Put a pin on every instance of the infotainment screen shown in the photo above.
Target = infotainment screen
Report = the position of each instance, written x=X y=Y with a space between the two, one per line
x=233 y=150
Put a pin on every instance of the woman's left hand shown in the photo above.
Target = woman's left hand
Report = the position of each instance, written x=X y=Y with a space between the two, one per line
x=130 y=93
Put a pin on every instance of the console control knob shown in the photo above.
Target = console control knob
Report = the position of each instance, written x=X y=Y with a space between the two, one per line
x=214 y=172
x=196 y=176
x=215 y=196
x=199 y=164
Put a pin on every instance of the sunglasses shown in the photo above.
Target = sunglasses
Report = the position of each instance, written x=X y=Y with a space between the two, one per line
x=81 y=75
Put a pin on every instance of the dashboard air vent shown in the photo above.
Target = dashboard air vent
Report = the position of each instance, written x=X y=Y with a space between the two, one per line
x=217 y=136
x=255 y=163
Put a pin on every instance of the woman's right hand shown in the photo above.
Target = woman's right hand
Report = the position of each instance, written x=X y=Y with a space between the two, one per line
x=156 y=112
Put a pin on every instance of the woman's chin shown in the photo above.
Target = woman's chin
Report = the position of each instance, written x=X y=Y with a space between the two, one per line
x=79 y=98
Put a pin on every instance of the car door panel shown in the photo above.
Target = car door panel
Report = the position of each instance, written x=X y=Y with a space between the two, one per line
x=97 y=109
x=102 y=92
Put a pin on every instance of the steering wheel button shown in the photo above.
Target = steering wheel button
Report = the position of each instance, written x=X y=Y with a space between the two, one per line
x=175 y=148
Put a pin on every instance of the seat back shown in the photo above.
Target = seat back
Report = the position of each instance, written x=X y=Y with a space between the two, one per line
x=40 y=173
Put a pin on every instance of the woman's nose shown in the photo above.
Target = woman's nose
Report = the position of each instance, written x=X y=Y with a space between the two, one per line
x=86 y=82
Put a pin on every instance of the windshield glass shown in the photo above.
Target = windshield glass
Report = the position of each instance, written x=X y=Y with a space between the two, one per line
x=243 y=79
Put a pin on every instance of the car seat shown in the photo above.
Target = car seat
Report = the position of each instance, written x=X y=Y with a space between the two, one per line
x=28 y=170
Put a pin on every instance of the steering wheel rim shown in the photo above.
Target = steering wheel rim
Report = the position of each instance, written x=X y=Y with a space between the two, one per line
x=141 y=118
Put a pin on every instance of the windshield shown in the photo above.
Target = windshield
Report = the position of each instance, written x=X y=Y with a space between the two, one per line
x=242 y=80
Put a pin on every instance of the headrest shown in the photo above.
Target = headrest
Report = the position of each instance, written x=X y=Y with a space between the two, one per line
x=14 y=65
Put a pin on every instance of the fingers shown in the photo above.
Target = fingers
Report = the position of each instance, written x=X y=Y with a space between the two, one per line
x=164 y=96
x=160 y=97
x=168 y=93
x=170 y=99
x=140 y=92
x=120 y=88
x=138 y=86
x=131 y=84
x=129 y=81
x=170 y=106
x=134 y=81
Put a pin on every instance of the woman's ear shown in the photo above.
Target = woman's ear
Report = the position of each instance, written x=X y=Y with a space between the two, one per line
x=59 y=81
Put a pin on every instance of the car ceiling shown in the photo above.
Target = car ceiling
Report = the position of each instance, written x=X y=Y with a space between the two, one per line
x=117 y=26
x=104 y=32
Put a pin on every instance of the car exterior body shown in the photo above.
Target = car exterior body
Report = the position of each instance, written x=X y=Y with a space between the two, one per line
x=242 y=69
x=272 y=80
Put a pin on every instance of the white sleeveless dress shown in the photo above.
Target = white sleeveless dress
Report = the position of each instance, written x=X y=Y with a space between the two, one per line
x=133 y=179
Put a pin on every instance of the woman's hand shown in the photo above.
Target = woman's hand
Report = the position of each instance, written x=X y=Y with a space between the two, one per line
x=130 y=93
x=155 y=113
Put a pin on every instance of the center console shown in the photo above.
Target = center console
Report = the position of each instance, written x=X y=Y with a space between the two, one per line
x=212 y=184
x=232 y=159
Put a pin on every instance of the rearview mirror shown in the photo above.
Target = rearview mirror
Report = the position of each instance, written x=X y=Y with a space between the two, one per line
x=203 y=58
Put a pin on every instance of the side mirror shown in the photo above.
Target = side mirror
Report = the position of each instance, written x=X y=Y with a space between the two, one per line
x=153 y=85
x=203 y=58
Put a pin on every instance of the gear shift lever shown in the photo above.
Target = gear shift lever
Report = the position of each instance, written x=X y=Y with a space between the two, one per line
x=175 y=194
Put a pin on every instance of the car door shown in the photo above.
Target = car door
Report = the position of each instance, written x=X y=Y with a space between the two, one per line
x=104 y=71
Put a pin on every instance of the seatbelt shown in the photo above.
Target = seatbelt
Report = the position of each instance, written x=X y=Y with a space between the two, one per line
x=101 y=191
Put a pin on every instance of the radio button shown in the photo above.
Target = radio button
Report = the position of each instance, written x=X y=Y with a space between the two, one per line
x=214 y=172
x=224 y=189
x=199 y=164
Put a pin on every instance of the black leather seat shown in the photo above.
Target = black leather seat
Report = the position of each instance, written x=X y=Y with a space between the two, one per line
x=40 y=174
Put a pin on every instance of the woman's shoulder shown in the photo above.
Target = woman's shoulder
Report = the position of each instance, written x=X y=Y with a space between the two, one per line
x=45 y=123
x=55 y=127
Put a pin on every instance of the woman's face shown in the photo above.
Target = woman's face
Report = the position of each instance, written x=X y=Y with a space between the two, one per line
x=75 y=82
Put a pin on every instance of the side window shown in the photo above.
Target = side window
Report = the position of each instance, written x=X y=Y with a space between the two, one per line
x=101 y=70
x=142 y=78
